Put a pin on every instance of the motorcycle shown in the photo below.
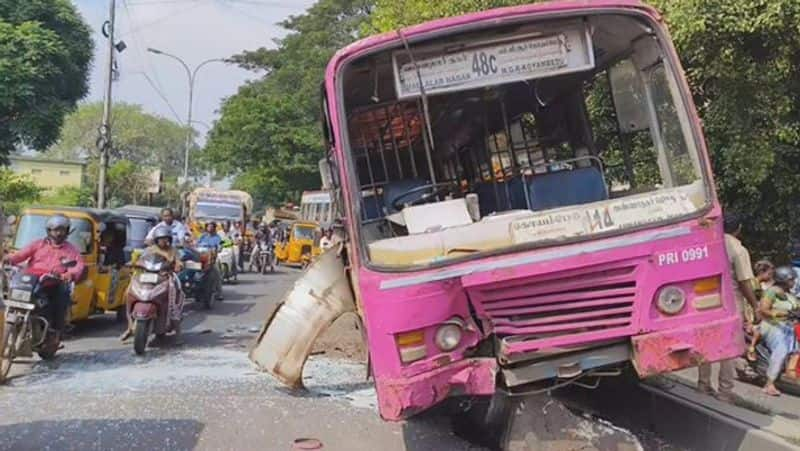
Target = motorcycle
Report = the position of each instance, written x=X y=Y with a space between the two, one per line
x=264 y=254
x=248 y=250
x=28 y=315
x=757 y=374
x=227 y=261
x=196 y=275
x=147 y=300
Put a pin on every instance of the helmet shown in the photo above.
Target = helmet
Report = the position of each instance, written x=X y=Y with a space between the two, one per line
x=784 y=274
x=162 y=232
x=58 y=222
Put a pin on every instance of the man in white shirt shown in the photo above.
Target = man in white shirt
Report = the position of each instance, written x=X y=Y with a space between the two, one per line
x=179 y=231
x=327 y=240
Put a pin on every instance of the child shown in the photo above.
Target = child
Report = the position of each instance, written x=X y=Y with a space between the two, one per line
x=765 y=271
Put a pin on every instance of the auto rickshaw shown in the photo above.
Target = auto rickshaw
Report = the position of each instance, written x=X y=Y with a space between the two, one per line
x=299 y=244
x=141 y=219
x=101 y=237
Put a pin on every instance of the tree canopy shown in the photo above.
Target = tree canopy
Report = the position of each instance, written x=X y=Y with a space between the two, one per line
x=141 y=142
x=45 y=53
x=269 y=135
x=16 y=191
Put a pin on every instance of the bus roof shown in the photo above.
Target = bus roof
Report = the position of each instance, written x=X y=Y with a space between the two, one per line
x=490 y=15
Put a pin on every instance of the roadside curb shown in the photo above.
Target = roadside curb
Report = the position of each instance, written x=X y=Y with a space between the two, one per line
x=685 y=418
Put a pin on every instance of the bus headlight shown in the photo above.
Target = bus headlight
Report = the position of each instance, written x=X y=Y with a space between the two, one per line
x=448 y=335
x=671 y=300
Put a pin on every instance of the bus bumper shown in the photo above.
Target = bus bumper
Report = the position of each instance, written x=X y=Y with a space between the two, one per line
x=402 y=398
x=689 y=346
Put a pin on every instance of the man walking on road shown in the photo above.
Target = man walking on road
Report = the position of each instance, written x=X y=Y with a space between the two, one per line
x=742 y=274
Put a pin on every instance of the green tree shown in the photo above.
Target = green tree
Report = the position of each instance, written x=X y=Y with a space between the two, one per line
x=16 y=191
x=269 y=136
x=141 y=142
x=69 y=196
x=45 y=52
x=137 y=136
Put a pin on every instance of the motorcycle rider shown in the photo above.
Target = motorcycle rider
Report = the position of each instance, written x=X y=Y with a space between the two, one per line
x=777 y=331
x=162 y=245
x=47 y=256
x=210 y=237
x=795 y=254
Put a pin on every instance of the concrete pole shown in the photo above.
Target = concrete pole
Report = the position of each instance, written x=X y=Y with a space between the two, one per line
x=105 y=128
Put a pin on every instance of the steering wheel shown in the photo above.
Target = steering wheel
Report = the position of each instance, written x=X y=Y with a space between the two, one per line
x=436 y=190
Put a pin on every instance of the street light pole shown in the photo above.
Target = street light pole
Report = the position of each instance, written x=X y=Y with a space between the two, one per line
x=191 y=75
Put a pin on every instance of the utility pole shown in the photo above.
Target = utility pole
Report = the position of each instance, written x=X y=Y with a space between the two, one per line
x=104 y=141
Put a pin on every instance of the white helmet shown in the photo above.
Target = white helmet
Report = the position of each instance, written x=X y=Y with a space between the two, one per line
x=58 y=222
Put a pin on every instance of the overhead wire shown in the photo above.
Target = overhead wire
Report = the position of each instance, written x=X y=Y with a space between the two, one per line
x=161 y=94
x=145 y=59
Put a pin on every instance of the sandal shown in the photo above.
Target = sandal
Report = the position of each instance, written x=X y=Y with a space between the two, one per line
x=771 y=391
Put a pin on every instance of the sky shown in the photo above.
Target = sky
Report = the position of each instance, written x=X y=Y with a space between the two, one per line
x=195 y=31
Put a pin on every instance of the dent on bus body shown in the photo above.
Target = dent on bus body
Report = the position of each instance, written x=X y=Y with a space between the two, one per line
x=315 y=301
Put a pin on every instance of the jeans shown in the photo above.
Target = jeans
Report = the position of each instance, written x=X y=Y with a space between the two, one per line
x=781 y=342
x=59 y=300
x=727 y=372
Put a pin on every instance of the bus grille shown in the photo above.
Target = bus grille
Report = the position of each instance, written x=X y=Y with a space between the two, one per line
x=534 y=314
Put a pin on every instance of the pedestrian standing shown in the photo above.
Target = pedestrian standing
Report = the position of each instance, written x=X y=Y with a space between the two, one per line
x=742 y=274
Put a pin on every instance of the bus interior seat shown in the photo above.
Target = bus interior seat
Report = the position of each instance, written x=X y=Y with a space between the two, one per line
x=567 y=187
x=509 y=195
x=372 y=203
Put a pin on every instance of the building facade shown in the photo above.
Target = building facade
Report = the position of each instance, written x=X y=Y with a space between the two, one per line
x=49 y=174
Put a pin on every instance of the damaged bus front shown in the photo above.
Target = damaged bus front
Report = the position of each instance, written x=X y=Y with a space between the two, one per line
x=528 y=203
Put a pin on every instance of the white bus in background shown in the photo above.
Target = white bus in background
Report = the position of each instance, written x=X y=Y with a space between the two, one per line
x=316 y=206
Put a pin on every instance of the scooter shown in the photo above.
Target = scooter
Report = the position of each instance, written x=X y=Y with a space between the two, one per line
x=28 y=315
x=197 y=275
x=147 y=300
x=227 y=261
x=788 y=382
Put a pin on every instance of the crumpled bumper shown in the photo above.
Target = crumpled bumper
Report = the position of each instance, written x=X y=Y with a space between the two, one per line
x=402 y=398
x=675 y=349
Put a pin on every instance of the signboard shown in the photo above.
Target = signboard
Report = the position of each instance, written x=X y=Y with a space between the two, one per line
x=604 y=216
x=490 y=63
x=154 y=181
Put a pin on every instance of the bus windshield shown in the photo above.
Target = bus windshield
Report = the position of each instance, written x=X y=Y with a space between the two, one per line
x=214 y=210
x=530 y=135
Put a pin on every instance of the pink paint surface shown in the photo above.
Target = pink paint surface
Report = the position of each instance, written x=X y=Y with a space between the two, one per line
x=628 y=278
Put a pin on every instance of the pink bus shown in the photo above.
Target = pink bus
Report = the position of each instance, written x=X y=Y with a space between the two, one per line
x=527 y=203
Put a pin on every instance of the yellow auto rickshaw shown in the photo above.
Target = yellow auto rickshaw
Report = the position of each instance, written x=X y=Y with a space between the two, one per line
x=101 y=237
x=298 y=244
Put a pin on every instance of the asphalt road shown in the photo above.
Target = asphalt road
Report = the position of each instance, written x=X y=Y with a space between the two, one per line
x=203 y=395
